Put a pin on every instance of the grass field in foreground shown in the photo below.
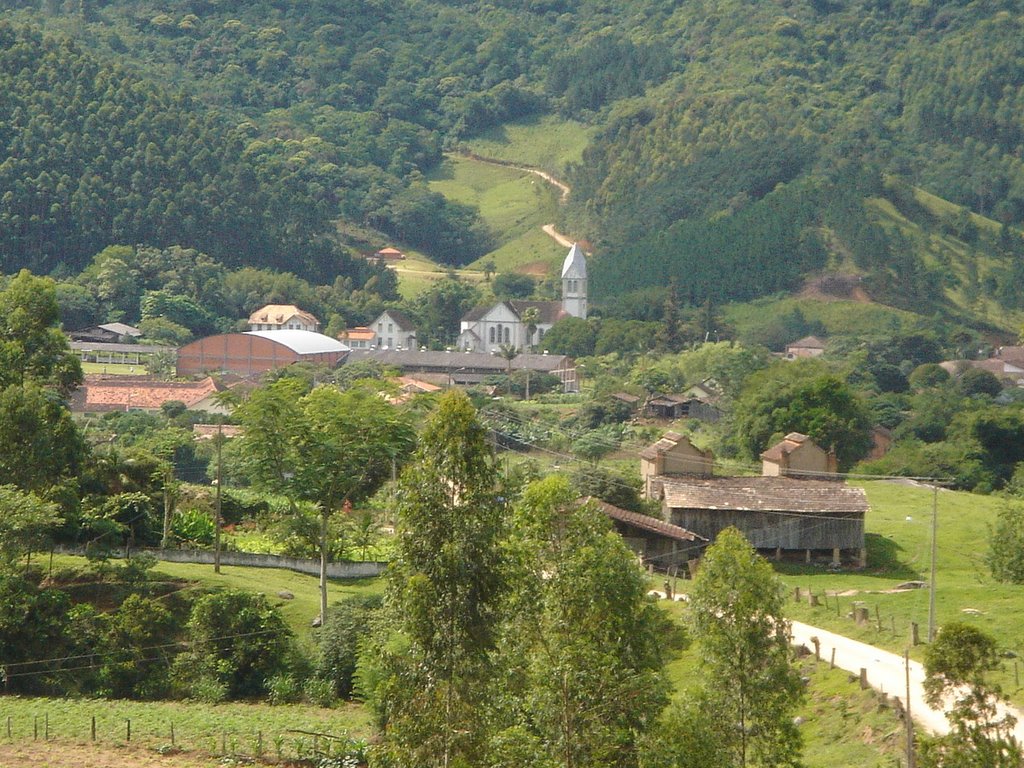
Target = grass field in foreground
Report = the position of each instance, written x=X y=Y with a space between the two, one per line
x=842 y=724
x=216 y=729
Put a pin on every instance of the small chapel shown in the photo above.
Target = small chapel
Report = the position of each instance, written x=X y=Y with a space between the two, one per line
x=522 y=324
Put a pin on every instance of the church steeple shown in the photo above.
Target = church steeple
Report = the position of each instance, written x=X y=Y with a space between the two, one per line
x=574 y=282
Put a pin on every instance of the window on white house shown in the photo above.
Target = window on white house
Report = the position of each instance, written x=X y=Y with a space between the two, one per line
x=507 y=335
x=490 y=334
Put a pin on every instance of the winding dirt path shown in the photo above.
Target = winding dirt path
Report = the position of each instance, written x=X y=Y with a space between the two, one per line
x=563 y=189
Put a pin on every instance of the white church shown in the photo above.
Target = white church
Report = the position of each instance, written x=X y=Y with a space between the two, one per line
x=508 y=323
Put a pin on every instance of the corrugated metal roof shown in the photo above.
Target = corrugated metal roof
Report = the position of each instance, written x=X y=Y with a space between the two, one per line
x=764 y=494
x=473 y=361
x=302 y=342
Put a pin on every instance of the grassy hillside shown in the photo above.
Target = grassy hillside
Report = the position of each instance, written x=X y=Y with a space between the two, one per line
x=544 y=142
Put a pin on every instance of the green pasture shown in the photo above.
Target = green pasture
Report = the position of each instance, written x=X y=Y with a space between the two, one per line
x=545 y=142
x=840 y=317
x=119 y=369
x=899 y=550
x=514 y=205
x=240 y=729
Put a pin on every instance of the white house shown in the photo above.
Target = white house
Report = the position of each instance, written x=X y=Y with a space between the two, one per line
x=522 y=324
x=394 y=330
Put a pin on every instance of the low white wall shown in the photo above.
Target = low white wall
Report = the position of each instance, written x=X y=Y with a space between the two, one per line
x=343 y=570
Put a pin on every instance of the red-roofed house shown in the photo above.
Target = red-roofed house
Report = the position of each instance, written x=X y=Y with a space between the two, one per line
x=389 y=254
x=359 y=337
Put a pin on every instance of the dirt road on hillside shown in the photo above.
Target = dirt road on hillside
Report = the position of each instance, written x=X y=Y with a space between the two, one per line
x=885 y=672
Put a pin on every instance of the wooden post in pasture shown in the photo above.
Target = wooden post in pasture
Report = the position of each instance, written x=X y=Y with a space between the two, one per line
x=817 y=648
x=93 y=730
x=128 y=730
x=46 y=727
x=832 y=661
x=172 y=733
x=863 y=677
x=915 y=633
x=35 y=728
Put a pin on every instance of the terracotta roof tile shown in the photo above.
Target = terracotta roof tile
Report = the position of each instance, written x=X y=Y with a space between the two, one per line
x=645 y=522
x=111 y=393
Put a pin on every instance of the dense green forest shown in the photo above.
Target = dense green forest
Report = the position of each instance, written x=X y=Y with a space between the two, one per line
x=735 y=146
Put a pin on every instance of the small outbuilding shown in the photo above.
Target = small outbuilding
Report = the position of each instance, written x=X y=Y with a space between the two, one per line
x=656 y=542
x=808 y=346
x=673 y=455
x=797 y=455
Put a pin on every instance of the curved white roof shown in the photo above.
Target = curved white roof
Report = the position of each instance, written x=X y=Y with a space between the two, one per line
x=302 y=342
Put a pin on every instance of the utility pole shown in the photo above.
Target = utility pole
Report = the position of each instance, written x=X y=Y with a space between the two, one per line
x=217 y=519
x=910 y=721
x=935 y=548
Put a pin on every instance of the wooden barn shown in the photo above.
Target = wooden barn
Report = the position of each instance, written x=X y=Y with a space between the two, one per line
x=778 y=515
x=657 y=543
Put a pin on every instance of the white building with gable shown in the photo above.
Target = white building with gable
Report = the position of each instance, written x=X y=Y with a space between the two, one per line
x=522 y=324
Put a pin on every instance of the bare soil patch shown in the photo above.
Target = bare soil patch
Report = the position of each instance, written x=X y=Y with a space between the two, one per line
x=37 y=754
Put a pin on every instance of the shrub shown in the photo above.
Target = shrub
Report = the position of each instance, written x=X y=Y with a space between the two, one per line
x=238 y=640
x=347 y=624
x=1006 y=545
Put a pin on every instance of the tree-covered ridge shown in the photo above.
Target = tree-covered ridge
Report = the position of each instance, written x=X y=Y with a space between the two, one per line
x=94 y=155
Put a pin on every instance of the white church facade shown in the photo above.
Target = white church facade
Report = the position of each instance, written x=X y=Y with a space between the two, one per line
x=522 y=324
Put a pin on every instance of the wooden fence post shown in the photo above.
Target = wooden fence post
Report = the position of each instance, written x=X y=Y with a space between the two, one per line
x=93 y=732
x=863 y=677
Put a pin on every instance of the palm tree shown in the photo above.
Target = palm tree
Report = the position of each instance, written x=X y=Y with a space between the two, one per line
x=510 y=353
x=530 y=317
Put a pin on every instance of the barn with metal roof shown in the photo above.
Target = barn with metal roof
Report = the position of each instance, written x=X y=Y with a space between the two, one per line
x=257 y=352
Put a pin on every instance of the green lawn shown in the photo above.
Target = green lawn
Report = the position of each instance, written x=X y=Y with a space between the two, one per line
x=544 y=142
x=115 y=368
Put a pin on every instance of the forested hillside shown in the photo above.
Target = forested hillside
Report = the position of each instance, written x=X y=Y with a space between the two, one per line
x=304 y=113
